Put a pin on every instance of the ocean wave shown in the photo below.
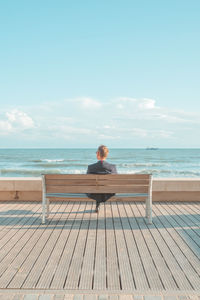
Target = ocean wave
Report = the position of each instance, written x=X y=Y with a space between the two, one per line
x=53 y=161
x=47 y=160
x=188 y=172
x=38 y=172
x=55 y=165
x=17 y=172
x=140 y=164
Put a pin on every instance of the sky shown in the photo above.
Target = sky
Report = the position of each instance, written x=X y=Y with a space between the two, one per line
x=77 y=74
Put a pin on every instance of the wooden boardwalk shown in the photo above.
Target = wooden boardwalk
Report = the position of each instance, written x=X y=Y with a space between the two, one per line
x=115 y=250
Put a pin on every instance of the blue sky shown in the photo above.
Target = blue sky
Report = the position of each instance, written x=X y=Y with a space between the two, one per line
x=81 y=73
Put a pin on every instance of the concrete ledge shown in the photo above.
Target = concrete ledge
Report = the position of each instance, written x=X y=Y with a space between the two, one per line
x=164 y=189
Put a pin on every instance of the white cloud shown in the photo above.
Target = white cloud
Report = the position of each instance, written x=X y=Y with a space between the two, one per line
x=15 y=121
x=20 y=118
x=147 y=104
x=5 y=127
x=108 y=137
x=144 y=133
x=86 y=103
x=142 y=104
x=85 y=120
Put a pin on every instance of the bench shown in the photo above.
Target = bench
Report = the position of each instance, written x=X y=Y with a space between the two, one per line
x=127 y=187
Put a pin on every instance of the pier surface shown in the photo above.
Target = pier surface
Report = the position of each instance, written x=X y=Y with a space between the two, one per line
x=114 y=254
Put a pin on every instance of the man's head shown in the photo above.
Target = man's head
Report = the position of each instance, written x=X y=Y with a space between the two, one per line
x=102 y=152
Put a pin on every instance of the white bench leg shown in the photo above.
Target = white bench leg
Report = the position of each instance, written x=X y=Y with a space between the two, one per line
x=47 y=207
x=43 y=212
x=150 y=217
x=44 y=200
x=146 y=208
x=149 y=204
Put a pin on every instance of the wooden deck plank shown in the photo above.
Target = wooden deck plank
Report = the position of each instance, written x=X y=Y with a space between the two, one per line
x=194 y=210
x=72 y=279
x=7 y=208
x=184 y=239
x=134 y=255
x=170 y=242
x=12 y=264
x=60 y=275
x=14 y=242
x=43 y=248
x=26 y=259
x=87 y=272
x=154 y=243
x=149 y=267
x=113 y=279
x=187 y=233
x=7 y=219
x=185 y=215
x=194 y=260
x=186 y=218
x=196 y=205
x=54 y=256
x=100 y=255
x=48 y=248
x=126 y=276
x=14 y=218
x=181 y=239
x=185 y=282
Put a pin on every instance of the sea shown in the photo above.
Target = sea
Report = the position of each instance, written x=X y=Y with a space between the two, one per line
x=159 y=162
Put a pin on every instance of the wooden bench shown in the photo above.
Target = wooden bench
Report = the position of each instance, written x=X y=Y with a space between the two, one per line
x=127 y=187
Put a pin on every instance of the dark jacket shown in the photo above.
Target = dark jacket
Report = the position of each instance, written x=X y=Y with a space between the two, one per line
x=101 y=167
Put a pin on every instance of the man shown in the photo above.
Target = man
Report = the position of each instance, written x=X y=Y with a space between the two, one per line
x=101 y=167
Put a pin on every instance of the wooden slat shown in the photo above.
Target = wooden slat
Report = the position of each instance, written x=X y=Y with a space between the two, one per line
x=60 y=275
x=149 y=266
x=54 y=256
x=193 y=213
x=9 y=265
x=9 y=219
x=44 y=251
x=43 y=259
x=190 y=233
x=153 y=245
x=94 y=182
x=72 y=279
x=187 y=230
x=86 y=277
x=114 y=198
x=100 y=258
x=27 y=255
x=98 y=176
x=183 y=241
x=126 y=276
x=171 y=252
x=96 y=189
x=140 y=279
x=113 y=276
x=21 y=262
x=13 y=240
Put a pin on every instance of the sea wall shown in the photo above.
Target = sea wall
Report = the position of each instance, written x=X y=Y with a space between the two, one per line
x=164 y=189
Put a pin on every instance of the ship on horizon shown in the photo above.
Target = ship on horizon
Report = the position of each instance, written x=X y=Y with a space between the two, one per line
x=152 y=148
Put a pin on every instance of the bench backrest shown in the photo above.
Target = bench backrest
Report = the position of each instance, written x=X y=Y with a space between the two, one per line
x=96 y=183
